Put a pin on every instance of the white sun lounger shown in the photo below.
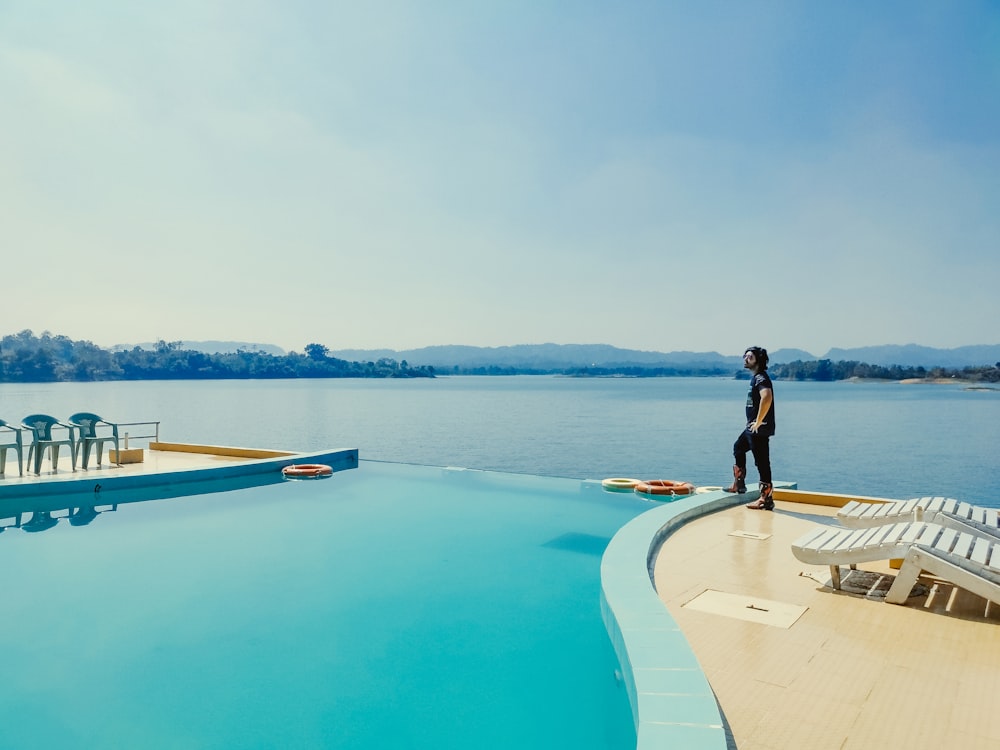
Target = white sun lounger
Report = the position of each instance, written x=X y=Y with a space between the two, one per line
x=965 y=558
x=858 y=515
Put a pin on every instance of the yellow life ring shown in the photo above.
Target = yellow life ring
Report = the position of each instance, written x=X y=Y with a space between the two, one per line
x=619 y=484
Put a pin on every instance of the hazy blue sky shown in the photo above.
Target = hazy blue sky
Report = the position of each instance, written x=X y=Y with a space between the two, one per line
x=653 y=175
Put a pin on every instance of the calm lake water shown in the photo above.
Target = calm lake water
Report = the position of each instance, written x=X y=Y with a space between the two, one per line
x=880 y=439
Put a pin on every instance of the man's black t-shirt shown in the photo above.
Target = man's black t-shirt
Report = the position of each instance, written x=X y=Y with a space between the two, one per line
x=760 y=381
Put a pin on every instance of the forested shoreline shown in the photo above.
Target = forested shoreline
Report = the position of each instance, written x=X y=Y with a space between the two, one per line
x=822 y=370
x=27 y=358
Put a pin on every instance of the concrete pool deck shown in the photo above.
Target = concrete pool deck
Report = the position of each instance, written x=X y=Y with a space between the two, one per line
x=792 y=663
x=852 y=672
x=172 y=466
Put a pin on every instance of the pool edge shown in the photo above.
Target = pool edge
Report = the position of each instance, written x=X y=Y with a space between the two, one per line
x=37 y=495
x=671 y=699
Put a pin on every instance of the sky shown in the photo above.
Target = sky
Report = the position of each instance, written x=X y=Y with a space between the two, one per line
x=662 y=176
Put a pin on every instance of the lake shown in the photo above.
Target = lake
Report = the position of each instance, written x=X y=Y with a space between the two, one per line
x=880 y=439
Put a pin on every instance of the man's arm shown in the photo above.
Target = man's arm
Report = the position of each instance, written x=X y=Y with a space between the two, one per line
x=766 y=398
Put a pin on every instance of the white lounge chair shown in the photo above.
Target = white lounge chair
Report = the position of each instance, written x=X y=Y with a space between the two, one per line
x=965 y=558
x=858 y=515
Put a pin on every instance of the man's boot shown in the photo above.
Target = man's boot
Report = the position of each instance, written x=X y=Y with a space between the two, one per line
x=766 y=499
x=739 y=485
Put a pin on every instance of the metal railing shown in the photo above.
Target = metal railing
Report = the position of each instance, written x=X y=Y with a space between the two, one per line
x=125 y=436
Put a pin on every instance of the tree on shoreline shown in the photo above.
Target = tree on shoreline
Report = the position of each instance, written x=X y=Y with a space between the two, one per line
x=26 y=358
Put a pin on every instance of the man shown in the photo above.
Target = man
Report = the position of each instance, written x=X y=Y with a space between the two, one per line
x=760 y=426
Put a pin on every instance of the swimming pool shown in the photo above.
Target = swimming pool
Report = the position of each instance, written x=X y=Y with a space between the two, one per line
x=388 y=606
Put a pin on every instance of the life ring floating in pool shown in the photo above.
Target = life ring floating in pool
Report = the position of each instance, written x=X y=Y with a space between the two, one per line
x=664 y=487
x=619 y=484
x=307 y=471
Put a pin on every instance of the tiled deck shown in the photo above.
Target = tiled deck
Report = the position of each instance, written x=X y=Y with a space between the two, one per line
x=851 y=673
x=154 y=462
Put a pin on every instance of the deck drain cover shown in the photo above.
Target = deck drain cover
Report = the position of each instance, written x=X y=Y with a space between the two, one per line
x=747 y=607
x=750 y=535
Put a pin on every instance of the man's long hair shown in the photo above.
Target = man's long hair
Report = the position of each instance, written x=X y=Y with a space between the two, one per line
x=760 y=353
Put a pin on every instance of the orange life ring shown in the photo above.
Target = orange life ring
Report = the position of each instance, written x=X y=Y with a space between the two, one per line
x=307 y=471
x=664 y=487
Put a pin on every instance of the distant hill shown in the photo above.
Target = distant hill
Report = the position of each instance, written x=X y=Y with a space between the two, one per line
x=540 y=357
x=211 y=347
x=784 y=356
x=562 y=356
x=919 y=356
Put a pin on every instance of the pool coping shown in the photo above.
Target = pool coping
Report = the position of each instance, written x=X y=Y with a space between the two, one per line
x=672 y=703
x=260 y=467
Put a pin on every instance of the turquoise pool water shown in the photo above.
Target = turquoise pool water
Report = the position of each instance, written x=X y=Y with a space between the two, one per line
x=388 y=606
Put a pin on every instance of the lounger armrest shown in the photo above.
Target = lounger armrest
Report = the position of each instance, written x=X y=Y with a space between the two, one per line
x=967 y=524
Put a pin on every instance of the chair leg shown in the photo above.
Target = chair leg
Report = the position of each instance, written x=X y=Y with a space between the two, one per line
x=3 y=462
x=906 y=579
x=835 y=576
x=89 y=446
x=35 y=458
